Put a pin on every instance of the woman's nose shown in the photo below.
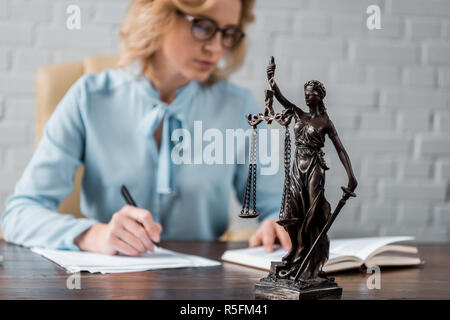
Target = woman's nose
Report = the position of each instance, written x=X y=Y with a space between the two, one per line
x=215 y=44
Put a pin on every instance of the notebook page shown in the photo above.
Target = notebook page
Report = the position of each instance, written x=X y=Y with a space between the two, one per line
x=74 y=261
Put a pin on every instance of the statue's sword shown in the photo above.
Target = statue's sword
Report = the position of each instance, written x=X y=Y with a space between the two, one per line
x=347 y=194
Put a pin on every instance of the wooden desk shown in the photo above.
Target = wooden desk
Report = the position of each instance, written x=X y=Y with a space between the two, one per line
x=26 y=275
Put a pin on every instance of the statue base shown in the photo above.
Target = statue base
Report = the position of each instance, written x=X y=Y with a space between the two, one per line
x=274 y=287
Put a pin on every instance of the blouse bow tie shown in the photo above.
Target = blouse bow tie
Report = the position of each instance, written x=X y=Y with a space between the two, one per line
x=172 y=120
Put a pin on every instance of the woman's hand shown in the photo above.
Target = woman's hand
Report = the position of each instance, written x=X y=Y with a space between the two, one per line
x=266 y=235
x=130 y=231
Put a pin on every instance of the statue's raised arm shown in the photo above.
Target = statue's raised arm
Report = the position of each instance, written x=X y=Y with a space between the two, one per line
x=284 y=102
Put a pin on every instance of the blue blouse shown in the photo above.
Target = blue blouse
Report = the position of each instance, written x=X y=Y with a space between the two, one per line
x=106 y=122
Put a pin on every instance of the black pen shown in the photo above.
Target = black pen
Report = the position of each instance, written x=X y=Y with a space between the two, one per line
x=129 y=200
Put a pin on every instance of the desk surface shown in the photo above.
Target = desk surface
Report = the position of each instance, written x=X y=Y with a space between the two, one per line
x=26 y=275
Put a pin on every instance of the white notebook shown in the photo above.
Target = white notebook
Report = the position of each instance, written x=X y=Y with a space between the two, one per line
x=76 y=261
x=344 y=254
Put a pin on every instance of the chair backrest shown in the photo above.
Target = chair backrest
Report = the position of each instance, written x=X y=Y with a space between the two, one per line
x=51 y=84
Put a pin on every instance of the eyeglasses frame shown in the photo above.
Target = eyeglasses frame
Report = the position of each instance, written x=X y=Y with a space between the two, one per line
x=193 y=20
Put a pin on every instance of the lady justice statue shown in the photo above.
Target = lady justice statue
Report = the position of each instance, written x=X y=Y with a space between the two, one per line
x=305 y=213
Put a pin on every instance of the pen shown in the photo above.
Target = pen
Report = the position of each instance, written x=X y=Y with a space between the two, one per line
x=129 y=200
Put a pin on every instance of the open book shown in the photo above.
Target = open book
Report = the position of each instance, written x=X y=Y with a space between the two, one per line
x=344 y=254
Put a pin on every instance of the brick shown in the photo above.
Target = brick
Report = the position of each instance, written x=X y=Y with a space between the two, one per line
x=444 y=77
x=352 y=231
x=2 y=157
x=243 y=73
x=17 y=84
x=413 y=122
x=420 y=76
x=2 y=107
x=447 y=30
x=357 y=96
x=13 y=133
x=304 y=71
x=437 y=53
x=109 y=12
x=20 y=109
x=419 y=28
x=348 y=25
x=3 y=197
x=9 y=180
x=287 y=47
x=347 y=73
x=29 y=60
x=375 y=121
x=287 y=4
x=273 y=21
x=4 y=59
x=345 y=6
x=4 y=10
x=343 y=120
x=443 y=170
x=60 y=55
x=352 y=26
x=13 y=33
x=379 y=144
x=374 y=168
x=442 y=121
x=436 y=234
x=348 y=220
x=49 y=37
x=410 y=99
x=374 y=213
x=30 y=10
x=393 y=28
x=420 y=8
x=418 y=170
x=442 y=216
x=417 y=192
x=18 y=157
x=422 y=234
x=259 y=46
x=418 y=215
x=434 y=145
x=312 y=24
x=383 y=76
x=384 y=51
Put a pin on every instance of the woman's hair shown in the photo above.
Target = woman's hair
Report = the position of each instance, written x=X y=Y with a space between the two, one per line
x=147 y=21
x=320 y=88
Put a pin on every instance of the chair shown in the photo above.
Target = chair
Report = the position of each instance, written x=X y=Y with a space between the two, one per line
x=51 y=84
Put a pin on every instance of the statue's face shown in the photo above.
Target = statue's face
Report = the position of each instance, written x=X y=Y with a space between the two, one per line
x=312 y=97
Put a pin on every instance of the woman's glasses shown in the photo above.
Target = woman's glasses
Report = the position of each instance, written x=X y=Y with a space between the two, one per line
x=204 y=29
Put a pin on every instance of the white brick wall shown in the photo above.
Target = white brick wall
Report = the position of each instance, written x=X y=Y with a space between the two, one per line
x=388 y=93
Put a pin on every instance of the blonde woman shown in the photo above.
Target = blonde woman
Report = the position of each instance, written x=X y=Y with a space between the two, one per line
x=119 y=124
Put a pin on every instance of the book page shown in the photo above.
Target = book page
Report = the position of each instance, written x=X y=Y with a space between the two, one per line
x=255 y=257
x=344 y=253
x=362 y=247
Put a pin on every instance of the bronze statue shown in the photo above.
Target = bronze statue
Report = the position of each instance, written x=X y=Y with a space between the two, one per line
x=305 y=213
